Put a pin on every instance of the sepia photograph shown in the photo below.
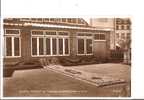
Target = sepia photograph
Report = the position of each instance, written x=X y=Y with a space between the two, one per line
x=67 y=57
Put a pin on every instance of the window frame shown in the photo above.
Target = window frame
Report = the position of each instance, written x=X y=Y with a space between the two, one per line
x=12 y=36
x=57 y=37
x=99 y=38
x=85 y=45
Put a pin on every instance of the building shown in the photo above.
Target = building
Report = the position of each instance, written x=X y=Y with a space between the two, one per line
x=121 y=30
x=120 y=37
x=43 y=38
x=122 y=33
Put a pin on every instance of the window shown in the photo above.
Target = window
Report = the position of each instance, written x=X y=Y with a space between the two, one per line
x=66 y=46
x=50 y=43
x=46 y=19
x=8 y=46
x=37 y=32
x=117 y=27
x=34 y=46
x=54 y=46
x=48 y=46
x=60 y=46
x=117 y=35
x=50 y=33
x=64 y=20
x=80 y=46
x=128 y=27
x=128 y=36
x=41 y=46
x=123 y=35
x=122 y=27
x=25 y=19
x=89 y=46
x=12 y=43
x=99 y=36
x=81 y=21
x=84 y=43
x=52 y=19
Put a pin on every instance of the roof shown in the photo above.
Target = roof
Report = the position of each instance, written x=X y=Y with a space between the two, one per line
x=56 y=26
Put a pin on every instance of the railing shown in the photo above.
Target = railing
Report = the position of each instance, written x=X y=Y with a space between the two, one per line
x=116 y=55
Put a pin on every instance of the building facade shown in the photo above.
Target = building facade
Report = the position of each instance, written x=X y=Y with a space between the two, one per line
x=36 y=38
x=121 y=30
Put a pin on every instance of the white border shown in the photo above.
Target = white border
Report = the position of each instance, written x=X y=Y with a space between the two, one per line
x=85 y=9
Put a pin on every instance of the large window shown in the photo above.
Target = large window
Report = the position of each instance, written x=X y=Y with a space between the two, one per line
x=84 y=43
x=50 y=43
x=12 y=42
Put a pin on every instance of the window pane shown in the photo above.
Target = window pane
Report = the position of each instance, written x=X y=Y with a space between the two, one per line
x=16 y=46
x=89 y=46
x=34 y=46
x=54 y=46
x=8 y=46
x=50 y=33
x=96 y=37
x=80 y=46
x=62 y=33
x=12 y=31
x=41 y=49
x=66 y=46
x=102 y=36
x=47 y=46
x=63 y=19
x=60 y=46
x=37 y=32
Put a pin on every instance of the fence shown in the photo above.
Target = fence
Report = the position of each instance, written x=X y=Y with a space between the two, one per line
x=116 y=55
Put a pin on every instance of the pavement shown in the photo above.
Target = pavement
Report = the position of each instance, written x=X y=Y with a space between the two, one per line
x=97 y=80
x=97 y=74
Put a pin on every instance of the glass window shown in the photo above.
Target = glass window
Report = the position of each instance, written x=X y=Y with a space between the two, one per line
x=47 y=46
x=122 y=35
x=62 y=33
x=34 y=46
x=80 y=46
x=122 y=27
x=9 y=31
x=63 y=19
x=69 y=20
x=39 y=19
x=60 y=46
x=117 y=35
x=46 y=19
x=80 y=21
x=128 y=27
x=89 y=46
x=41 y=47
x=16 y=46
x=73 y=20
x=8 y=46
x=99 y=36
x=54 y=46
x=66 y=46
x=96 y=36
x=37 y=32
x=50 y=33
x=34 y=19
x=117 y=27
x=102 y=36
x=52 y=19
